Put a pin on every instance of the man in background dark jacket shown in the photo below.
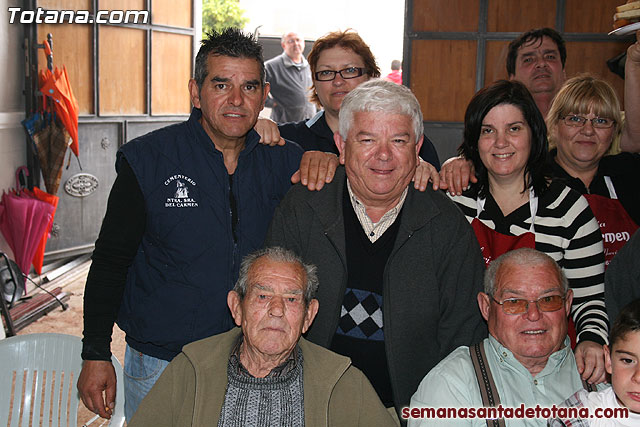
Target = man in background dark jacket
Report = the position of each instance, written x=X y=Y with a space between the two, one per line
x=290 y=78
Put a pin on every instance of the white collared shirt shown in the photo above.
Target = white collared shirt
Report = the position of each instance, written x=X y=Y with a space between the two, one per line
x=371 y=229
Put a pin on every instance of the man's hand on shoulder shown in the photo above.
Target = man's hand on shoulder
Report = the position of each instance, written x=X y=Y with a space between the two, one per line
x=316 y=169
x=96 y=377
x=268 y=131
x=425 y=172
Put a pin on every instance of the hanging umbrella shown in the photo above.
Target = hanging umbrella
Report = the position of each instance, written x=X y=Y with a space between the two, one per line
x=23 y=221
x=55 y=85
x=52 y=142
x=37 y=193
x=32 y=124
x=74 y=110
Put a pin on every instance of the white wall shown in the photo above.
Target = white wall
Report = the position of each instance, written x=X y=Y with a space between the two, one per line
x=12 y=137
x=380 y=23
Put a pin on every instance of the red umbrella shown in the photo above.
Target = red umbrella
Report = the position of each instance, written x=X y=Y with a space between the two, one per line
x=23 y=222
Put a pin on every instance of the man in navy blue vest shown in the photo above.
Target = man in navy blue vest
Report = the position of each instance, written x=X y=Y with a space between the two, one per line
x=190 y=200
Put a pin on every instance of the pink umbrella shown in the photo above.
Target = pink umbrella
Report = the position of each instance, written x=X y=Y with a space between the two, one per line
x=23 y=222
x=37 y=193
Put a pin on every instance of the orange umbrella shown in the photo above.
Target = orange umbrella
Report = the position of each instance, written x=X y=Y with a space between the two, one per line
x=57 y=87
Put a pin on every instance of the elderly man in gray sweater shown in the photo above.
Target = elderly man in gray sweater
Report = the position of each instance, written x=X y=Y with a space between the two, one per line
x=264 y=373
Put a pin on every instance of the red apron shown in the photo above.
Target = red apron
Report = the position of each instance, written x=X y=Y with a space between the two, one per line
x=616 y=225
x=494 y=244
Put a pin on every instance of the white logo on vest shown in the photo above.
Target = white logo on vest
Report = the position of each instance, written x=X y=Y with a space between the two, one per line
x=180 y=197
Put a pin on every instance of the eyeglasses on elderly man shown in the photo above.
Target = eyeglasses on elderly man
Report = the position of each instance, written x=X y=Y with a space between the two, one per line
x=520 y=305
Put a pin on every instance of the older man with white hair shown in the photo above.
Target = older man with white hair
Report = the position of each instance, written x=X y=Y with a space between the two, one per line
x=264 y=373
x=526 y=360
x=399 y=269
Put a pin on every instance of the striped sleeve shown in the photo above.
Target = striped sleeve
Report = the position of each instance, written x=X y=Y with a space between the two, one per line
x=567 y=231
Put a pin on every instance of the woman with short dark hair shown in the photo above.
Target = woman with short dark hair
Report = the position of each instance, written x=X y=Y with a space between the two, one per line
x=514 y=204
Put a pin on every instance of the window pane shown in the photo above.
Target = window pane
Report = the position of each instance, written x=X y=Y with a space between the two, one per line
x=171 y=70
x=122 y=71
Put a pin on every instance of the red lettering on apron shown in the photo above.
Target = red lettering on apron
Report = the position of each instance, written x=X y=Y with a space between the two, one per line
x=616 y=225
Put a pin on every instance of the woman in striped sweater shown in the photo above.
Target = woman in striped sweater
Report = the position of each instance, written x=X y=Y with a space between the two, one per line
x=515 y=204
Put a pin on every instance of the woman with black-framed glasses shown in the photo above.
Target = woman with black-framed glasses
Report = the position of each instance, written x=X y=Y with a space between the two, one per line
x=339 y=62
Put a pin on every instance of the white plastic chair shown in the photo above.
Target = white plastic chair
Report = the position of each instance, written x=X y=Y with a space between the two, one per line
x=38 y=376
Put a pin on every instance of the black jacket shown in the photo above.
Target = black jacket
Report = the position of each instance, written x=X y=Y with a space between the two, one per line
x=431 y=279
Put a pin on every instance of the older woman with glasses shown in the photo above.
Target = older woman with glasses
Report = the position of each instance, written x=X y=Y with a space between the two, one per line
x=583 y=121
x=515 y=204
x=339 y=62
